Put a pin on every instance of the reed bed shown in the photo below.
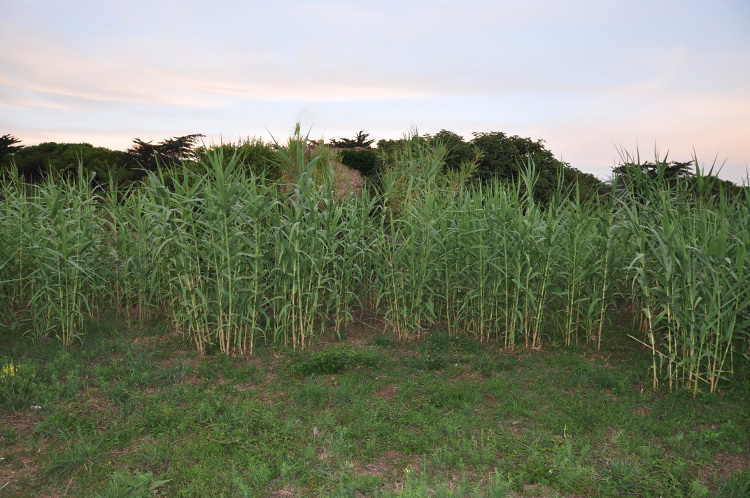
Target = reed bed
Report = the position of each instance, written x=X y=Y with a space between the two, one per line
x=231 y=259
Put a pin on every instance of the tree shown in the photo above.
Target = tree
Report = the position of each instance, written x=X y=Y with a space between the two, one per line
x=170 y=151
x=60 y=159
x=360 y=142
x=8 y=147
x=366 y=161
x=257 y=157
x=642 y=179
x=506 y=157
x=459 y=151
x=661 y=170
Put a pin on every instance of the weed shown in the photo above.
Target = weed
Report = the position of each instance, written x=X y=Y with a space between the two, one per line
x=18 y=385
x=383 y=341
x=312 y=395
x=334 y=360
x=590 y=375
x=81 y=453
x=138 y=485
x=735 y=486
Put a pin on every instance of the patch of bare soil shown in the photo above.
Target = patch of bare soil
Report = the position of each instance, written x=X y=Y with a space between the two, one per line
x=387 y=391
x=393 y=467
x=287 y=491
x=516 y=426
x=643 y=410
x=21 y=420
x=17 y=467
x=535 y=490
x=727 y=464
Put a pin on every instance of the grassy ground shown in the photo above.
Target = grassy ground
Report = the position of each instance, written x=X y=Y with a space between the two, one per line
x=135 y=411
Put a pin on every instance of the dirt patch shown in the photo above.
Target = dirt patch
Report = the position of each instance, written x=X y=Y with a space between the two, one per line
x=727 y=464
x=16 y=470
x=515 y=427
x=387 y=391
x=535 y=490
x=467 y=374
x=287 y=491
x=21 y=421
x=393 y=467
x=643 y=410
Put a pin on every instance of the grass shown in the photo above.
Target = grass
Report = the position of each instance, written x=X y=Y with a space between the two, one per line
x=137 y=411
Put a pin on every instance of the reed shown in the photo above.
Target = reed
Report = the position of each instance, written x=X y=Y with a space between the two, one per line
x=231 y=258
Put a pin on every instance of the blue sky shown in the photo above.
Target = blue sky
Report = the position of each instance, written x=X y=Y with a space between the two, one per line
x=588 y=77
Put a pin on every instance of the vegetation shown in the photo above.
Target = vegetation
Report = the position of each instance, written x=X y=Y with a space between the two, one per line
x=360 y=141
x=434 y=335
x=34 y=162
x=252 y=154
x=173 y=150
x=8 y=146
x=134 y=412
x=231 y=259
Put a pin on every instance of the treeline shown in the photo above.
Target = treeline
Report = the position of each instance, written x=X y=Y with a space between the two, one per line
x=114 y=167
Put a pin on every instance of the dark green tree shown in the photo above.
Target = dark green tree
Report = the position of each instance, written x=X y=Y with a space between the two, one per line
x=662 y=170
x=256 y=156
x=171 y=151
x=60 y=159
x=505 y=157
x=459 y=151
x=360 y=141
x=8 y=147
x=366 y=161
x=642 y=179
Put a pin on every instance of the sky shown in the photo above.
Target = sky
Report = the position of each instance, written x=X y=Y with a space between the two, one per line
x=597 y=80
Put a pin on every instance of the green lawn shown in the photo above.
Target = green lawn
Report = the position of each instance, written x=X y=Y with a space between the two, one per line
x=135 y=411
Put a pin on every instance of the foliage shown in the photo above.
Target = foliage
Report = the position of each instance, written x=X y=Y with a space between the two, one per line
x=499 y=157
x=60 y=160
x=505 y=158
x=234 y=261
x=18 y=385
x=636 y=178
x=168 y=152
x=459 y=151
x=360 y=141
x=334 y=360
x=366 y=161
x=138 y=485
x=8 y=146
x=255 y=156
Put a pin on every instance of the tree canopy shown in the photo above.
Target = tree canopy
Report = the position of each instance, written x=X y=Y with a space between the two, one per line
x=170 y=151
x=59 y=159
x=8 y=147
x=360 y=141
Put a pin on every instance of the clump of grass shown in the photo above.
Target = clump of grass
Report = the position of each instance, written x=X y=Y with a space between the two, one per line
x=335 y=360
x=735 y=486
x=488 y=365
x=138 y=485
x=311 y=394
x=429 y=362
x=383 y=341
x=18 y=385
x=598 y=377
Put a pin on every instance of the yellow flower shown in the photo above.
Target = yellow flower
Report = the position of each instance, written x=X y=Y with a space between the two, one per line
x=9 y=370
